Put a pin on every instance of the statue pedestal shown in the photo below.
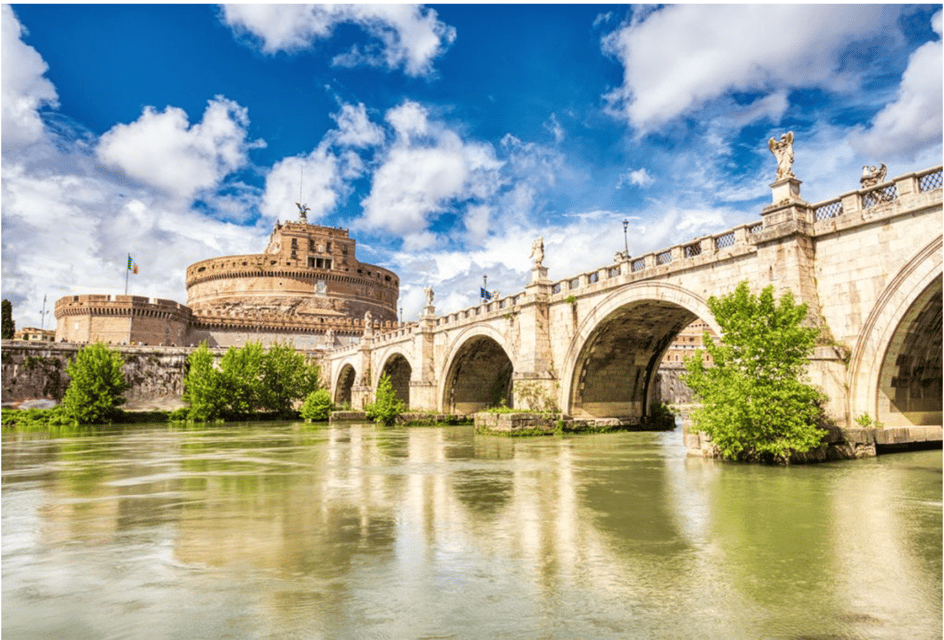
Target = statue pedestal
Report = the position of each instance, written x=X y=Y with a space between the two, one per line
x=786 y=190
x=429 y=311
x=539 y=273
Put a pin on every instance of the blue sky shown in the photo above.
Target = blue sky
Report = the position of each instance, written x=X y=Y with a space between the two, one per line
x=445 y=137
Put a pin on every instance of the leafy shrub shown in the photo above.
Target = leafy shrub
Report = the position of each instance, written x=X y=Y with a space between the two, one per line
x=96 y=383
x=755 y=405
x=317 y=406
x=387 y=406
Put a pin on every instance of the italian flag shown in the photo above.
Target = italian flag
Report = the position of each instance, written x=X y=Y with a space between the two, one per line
x=132 y=267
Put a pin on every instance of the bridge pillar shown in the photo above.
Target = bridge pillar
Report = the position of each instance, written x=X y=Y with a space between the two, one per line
x=535 y=378
x=423 y=385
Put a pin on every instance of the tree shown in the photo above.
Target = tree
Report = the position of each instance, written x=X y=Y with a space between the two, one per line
x=239 y=383
x=317 y=405
x=387 y=405
x=285 y=378
x=755 y=402
x=7 y=325
x=96 y=383
x=202 y=387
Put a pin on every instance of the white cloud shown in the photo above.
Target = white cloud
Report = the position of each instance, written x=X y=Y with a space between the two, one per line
x=24 y=89
x=682 y=56
x=428 y=169
x=406 y=35
x=555 y=128
x=915 y=120
x=163 y=150
x=355 y=129
x=318 y=177
x=638 y=177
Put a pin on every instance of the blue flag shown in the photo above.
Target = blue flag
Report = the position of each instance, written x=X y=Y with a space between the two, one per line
x=485 y=295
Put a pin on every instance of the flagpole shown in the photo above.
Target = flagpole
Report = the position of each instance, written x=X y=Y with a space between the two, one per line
x=127 y=271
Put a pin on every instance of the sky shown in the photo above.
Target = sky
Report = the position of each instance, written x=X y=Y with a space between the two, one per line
x=446 y=138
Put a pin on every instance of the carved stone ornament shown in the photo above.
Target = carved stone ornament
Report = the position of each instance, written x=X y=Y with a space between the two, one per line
x=783 y=152
x=872 y=176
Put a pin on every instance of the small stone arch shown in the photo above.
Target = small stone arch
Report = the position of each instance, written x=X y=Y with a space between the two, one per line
x=400 y=370
x=344 y=384
x=612 y=360
x=882 y=365
x=477 y=373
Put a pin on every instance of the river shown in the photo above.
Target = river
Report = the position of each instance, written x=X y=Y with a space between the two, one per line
x=289 y=530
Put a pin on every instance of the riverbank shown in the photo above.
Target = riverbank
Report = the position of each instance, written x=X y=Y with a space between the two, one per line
x=840 y=443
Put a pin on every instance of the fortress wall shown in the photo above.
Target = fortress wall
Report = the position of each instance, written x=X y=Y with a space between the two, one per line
x=32 y=370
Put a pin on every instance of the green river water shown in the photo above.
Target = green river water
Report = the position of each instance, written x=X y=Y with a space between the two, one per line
x=287 y=530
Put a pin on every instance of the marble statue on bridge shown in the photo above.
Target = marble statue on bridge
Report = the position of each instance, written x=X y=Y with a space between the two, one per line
x=783 y=152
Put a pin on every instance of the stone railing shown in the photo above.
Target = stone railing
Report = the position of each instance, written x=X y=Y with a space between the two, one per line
x=721 y=245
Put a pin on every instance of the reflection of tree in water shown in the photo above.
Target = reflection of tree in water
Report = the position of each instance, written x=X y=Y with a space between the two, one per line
x=483 y=492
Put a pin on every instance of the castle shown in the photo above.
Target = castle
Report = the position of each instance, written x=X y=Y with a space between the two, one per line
x=307 y=287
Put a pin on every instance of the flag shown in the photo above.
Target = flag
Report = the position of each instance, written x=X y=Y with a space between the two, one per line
x=130 y=264
x=485 y=295
x=134 y=269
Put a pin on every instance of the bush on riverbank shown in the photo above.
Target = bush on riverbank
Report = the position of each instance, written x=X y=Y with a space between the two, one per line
x=249 y=381
x=317 y=406
x=387 y=405
x=755 y=405
x=96 y=383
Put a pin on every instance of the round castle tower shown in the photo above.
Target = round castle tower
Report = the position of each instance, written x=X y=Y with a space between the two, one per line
x=307 y=284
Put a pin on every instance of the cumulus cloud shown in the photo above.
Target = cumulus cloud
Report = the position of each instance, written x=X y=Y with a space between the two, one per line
x=355 y=129
x=682 y=56
x=427 y=170
x=638 y=177
x=318 y=177
x=407 y=36
x=913 y=121
x=24 y=87
x=163 y=150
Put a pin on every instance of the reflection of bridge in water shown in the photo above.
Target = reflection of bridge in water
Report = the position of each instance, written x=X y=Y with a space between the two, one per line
x=868 y=264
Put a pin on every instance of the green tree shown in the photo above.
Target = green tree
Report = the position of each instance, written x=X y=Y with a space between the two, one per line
x=96 y=383
x=285 y=378
x=7 y=325
x=755 y=404
x=202 y=387
x=317 y=405
x=239 y=381
x=387 y=405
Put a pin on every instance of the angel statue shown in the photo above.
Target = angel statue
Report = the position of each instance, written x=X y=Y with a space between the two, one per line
x=537 y=251
x=302 y=211
x=783 y=152
x=429 y=296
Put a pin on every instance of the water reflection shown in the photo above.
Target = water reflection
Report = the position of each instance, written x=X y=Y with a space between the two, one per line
x=352 y=531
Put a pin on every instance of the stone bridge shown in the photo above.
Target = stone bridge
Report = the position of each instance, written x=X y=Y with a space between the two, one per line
x=868 y=263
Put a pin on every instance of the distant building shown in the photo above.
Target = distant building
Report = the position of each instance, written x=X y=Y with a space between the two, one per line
x=686 y=343
x=32 y=334
x=307 y=287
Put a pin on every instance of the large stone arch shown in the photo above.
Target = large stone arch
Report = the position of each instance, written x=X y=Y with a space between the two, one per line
x=400 y=369
x=344 y=384
x=613 y=358
x=895 y=366
x=477 y=373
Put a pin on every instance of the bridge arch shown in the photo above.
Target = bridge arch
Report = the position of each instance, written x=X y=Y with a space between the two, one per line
x=396 y=365
x=615 y=353
x=344 y=384
x=895 y=366
x=477 y=373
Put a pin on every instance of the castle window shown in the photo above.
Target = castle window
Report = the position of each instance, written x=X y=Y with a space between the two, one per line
x=328 y=247
x=311 y=261
x=311 y=245
x=294 y=243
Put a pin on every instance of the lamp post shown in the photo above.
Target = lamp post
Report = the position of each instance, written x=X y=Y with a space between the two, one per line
x=625 y=238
